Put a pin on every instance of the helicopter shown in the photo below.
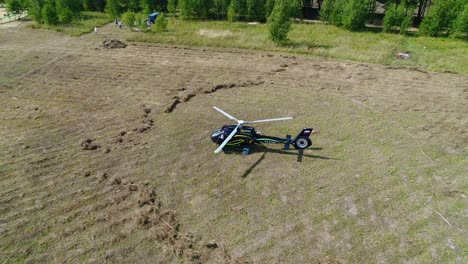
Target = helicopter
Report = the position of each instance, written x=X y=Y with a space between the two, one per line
x=235 y=136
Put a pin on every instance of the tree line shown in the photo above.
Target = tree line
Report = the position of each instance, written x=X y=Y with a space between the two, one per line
x=438 y=17
x=444 y=16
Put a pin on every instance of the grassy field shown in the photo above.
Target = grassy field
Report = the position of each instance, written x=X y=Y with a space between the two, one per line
x=84 y=25
x=434 y=54
x=384 y=182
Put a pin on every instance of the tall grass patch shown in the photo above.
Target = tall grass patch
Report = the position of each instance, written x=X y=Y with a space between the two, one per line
x=80 y=26
x=430 y=53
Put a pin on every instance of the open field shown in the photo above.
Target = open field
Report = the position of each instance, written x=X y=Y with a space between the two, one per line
x=433 y=54
x=385 y=181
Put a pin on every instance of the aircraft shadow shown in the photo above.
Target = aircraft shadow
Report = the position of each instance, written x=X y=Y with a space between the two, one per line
x=263 y=149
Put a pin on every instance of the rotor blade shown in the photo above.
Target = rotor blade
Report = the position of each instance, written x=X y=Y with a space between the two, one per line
x=268 y=120
x=226 y=140
x=226 y=114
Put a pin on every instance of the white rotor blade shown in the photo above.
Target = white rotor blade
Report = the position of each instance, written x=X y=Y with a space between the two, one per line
x=226 y=140
x=226 y=114
x=268 y=120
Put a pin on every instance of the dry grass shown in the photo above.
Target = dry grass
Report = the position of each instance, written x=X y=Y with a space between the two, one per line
x=385 y=173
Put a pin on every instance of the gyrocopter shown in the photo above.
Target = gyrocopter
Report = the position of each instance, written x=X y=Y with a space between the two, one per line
x=240 y=135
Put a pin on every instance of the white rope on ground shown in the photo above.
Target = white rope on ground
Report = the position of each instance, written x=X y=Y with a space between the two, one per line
x=445 y=219
x=180 y=234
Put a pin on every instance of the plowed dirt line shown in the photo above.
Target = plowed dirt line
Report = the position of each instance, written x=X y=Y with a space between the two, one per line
x=59 y=202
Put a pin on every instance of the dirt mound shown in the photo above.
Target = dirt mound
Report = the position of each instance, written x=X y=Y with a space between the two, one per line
x=113 y=44
x=205 y=90
x=88 y=144
x=164 y=226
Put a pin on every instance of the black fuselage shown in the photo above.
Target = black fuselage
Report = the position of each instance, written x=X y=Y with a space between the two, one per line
x=245 y=135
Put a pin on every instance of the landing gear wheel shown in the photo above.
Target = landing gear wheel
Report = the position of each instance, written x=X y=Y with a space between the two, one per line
x=302 y=143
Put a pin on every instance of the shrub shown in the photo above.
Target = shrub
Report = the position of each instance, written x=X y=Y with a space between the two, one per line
x=16 y=6
x=35 y=10
x=279 y=23
x=459 y=28
x=67 y=10
x=140 y=20
x=113 y=8
x=194 y=9
x=187 y=10
x=336 y=16
x=442 y=15
x=406 y=23
x=129 y=18
x=171 y=6
x=326 y=10
x=355 y=15
x=49 y=14
x=296 y=8
x=161 y=23
x=396 y=17
x=233 y=8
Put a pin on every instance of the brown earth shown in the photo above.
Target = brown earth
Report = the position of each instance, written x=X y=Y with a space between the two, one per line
x=162 y=196
x=113 y=44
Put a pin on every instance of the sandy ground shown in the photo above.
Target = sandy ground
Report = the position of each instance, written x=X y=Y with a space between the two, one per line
x=146 y=185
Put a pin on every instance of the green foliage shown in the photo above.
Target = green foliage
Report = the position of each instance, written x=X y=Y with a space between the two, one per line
x=296 y=8
x=351 y=14
x=336 y=16
x=158 y=5
x=327 y=10
x=35 y=9
x=145 y=6
x=187 y=11
x=459 y=28
x=355 y=15
x=232 y=14
x=49 y=14
x=161 y=23
x=140 y=20
x=134 y=5
x=269 y=5
x=442 y=14
x=279 y=23
x=94 y=5
x=243 y=10
x=219 y=9
x=255 y=10
x=16 y=6
x=129 y=18
x=67 y=10
x=397 y=17
x=76 y=28
x=194 y=9
x=406 y=23
x=113 y=9
x=171 y=6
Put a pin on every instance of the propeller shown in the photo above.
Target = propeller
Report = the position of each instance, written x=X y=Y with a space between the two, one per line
x=226 y=114
x=268 y=120
x=240 y=123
